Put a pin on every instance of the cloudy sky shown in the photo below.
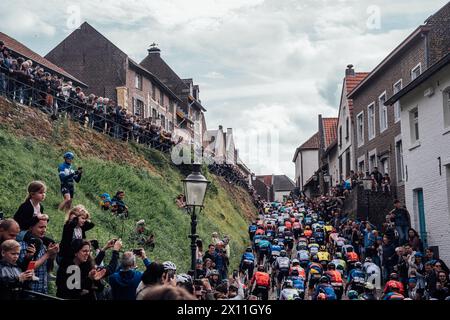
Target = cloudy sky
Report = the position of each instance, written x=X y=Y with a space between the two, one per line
x=263 y=66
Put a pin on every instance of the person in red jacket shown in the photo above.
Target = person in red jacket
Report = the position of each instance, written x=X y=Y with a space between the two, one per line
x=261 y=283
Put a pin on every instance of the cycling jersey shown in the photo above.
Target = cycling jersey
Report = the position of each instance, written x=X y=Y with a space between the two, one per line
x=67 y=175
x=248 y=257
x=393 y=296
x=307 y=233
x=252 y=228
x=301 y=271
x=303 y=255
x=314 y=269
x=289 y=294
x=358 y=276
x=323 y=256
x=275 y=249
x=282 y=263
x=394 y=284
x=352 y=257
x=298 y=282
x=261 y=279
x=326 y=289
x=259 y=232
x=335 y=276
x=340 y=264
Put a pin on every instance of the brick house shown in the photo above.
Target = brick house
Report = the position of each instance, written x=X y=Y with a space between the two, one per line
x=328 y=158
x=425 y=122
x=273 y=187
x=111 y=73
x=377 y=135
x=190 y=110
x=345 y=124
x=18 y=49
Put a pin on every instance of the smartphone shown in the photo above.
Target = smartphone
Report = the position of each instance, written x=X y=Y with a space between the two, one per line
x=137 y=252
x=235 y=274
x=31 y=265
x=94 y=244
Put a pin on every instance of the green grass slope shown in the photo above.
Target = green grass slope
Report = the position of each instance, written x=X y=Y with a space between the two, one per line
x=32 y=147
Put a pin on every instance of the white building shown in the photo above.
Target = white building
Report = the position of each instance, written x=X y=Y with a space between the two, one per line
x=346 y=157
x=282 y=187
x=425 y=124
x=306 y=159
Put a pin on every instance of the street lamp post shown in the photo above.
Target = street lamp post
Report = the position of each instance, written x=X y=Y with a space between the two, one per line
x=194 y=189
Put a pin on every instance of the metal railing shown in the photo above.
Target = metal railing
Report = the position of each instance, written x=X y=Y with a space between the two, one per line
x=33 y=295
x=56 y=104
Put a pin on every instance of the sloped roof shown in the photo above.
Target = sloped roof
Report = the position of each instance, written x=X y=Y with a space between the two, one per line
x=311 y=144
x=350 y=83
x=22 y=50
x=282 y=183
x=329 y=131
x=267 y=179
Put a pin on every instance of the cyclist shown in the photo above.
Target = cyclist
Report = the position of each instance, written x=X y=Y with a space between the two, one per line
x=298 y=282
x=351 y=257
x=356 y=279
x=314 y=271
x=281 y=266
x=256 y=239
x=323 y=255
x=289 y=240
x=313 y=247
x=247 y=262
x=324 y=287
x=275 y=250
x=373 y=272
x=319 y=235
x=340 y=263
x=296 y=266
x=260 y=283
x=352 y=295
x=336 y=280
x=251 y=230
x=394 y=285
x=270 y=234
x=260 y=231
x=263 y=249
x=68 y=176
x=394 y=294
x=297 y=228
x=303 y=257
x=308 y=232
x=289 y=292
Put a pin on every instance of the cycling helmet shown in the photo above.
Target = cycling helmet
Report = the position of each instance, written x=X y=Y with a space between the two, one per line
x=283 y=253
x=294 y=272
x=249 y=249
x=323 y=248
x=261 y=268
x=321 y=296
x=295 y=261
x=324 y=279
x=368 y=259
x=393 y=276
x=338 y=255
x=352 y=295
x=331 y=266
x=184 y=278
x=288 y=283
x=69 y=155
x=358 y=265
x=169 y=265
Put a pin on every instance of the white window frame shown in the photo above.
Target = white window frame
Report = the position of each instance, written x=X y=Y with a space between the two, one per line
x=413 y=69
x=360 y=140
x=383 y=110
x=372 y=153
x=413 y=121
x=359 y=160
x=397 y=108
x=138 y=79
x=402 y=173
x=369 y=134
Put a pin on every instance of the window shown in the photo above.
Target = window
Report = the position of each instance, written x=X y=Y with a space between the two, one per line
x=171 y=109
x=399 y=161
x=347 y=163
x=154 y=115
x=383 y=112
x=138 y=108
x=416 y=71
x=138 y=81
x=360 y=129
x=414 y=124
x=397 y=110
x=372 y=160
x=446 y=96
x=347 y=129
x=153 y=92
x=361 y=166
x=385 y=165
x=340 y=137
x=161 y=98
x=163 y=122
x=371 y=120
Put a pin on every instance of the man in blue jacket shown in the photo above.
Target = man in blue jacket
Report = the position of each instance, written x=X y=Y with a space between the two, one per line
x=68 y=176
x=125 y=281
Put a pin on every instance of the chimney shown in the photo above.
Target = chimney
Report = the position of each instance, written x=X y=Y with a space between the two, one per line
x=154 y=50
x=349 y=71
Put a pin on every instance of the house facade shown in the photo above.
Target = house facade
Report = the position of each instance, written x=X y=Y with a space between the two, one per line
x=377 y=136
x=346 y=153
x=425 y=125
x=109 y=72
x=306 y=160
x=328 y=157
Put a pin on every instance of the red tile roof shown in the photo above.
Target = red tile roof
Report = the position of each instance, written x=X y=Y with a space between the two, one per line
x=329 y=130
x=266 y=179
x=22 y=50
x=311 y=143
x=350 y=83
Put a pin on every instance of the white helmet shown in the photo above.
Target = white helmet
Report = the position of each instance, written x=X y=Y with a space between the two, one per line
x=184 y=278
x=169 y=265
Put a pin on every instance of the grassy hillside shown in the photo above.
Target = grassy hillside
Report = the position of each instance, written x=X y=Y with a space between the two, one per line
x=32 y=148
